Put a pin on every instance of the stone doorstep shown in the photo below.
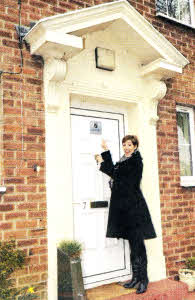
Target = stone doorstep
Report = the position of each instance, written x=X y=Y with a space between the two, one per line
x=165 y=289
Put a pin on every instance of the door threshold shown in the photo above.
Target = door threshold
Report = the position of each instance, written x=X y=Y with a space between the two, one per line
x=108 y=291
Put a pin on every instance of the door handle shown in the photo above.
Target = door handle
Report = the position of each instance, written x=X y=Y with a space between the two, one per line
x=81 y=203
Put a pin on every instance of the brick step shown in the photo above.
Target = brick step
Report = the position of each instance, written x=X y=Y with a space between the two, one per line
x=165 y=289
x=190 y=296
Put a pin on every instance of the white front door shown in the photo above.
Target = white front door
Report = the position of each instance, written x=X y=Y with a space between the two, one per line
x=103 y=259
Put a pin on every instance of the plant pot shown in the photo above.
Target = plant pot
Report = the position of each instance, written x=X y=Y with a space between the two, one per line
x=70 y=280
x=188 y=276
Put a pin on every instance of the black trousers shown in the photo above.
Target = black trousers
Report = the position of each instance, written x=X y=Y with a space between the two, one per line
x=137 y=249
x=138 y=258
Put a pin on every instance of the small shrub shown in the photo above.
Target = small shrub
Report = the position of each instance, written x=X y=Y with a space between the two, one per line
x=10 y=260
x=67 y=250
x=190 y=263
x=72 y=248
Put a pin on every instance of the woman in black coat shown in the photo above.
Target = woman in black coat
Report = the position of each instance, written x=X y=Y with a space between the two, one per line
x=129 y=217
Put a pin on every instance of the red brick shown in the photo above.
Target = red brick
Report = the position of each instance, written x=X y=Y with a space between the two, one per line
x=32 y=260
x=8 y=137
x=177 y=210
x=38 y=268
x=77 y=2
x=67 y=5
x=11 y=163
x=19 y=234
x=29 y=242
x=36 y=197
x=26 y=188
x=29 y=279
x=26 y=155
x=37 y=232
x=37 y=214
x=29 y=71
x=38 y=4
x=38 y=250
x=6 y=17
x=35 y=180
x=36 y=131
x=12 y=110
x=43 y=258
x=15 y=215
x=43 y=241
x=58 y=10
x=5 y=34
x=12 y=146
x=26 y=224
x=6 y=207
x=9 y=43
x=27 y=172
x=4 y=226
x=44 y=277
x=34 y=81
x=36 y=147
x=14 y=198
x=27 y=206
x=14 y=180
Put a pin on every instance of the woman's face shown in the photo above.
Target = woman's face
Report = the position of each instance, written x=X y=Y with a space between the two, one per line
x=128 y=148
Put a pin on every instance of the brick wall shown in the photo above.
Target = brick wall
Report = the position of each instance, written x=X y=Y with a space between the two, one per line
x=23 y=207
x=177 y=203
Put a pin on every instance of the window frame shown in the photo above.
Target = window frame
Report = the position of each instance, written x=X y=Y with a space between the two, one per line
x=188 y=181
x=192 y=14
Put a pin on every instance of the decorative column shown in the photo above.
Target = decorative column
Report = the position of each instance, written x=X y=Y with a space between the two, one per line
x=58 y=164
x=53 y=44
x=155 y=91
x=54 y=75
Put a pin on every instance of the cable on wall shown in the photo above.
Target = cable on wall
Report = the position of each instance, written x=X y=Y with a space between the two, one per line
x=20 y=45
x=3 y=188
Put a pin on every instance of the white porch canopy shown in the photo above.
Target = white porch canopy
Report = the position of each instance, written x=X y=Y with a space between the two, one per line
x=62 y=35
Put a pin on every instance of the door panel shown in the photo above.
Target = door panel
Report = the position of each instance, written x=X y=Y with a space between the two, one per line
x=103 y=258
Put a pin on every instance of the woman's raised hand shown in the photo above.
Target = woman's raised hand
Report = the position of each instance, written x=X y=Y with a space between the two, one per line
x=98 y=158
x=104 y=145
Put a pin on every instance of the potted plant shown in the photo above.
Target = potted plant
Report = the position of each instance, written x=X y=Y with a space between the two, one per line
x=187 y=274
x=70 y=279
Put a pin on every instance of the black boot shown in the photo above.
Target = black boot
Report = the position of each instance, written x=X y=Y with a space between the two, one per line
x=143 y=284
x=142 y=287
x=135 y=279
x=132 y=283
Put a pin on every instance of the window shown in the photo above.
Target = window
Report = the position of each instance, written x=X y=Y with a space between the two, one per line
x=186 y=140
x=181 y=11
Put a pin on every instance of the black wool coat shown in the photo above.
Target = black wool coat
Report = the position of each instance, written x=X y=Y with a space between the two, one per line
x=128 y=213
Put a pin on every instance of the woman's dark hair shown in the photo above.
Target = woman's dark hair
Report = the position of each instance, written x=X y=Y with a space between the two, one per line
x=132 y=138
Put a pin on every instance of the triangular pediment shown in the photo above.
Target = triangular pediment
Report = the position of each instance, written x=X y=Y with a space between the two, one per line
x=64 y=33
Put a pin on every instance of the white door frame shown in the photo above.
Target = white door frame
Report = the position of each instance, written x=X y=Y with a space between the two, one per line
x=59 y=174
